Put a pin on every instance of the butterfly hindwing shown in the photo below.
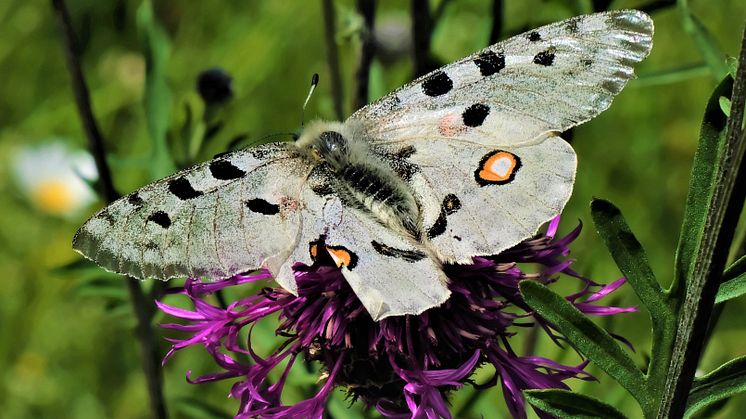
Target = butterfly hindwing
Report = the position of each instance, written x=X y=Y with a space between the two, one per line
x=215 y=219
x=480 y=200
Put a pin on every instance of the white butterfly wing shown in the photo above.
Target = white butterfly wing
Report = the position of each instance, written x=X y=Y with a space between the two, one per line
x=390 y=274
x=549 y=79
x=482 y=200
x=216 y=219
x=483 y=130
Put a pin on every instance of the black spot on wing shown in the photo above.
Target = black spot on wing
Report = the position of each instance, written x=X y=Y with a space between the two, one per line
x=263 y=207
x=404 y=169
x=322 y=189
x=490 y=63
x=160 y=218
x=437 y=84
x=182 y=189
x=533 y=36
x=439 y=227
x=545 y=58
x=225 y=170
x=135 y=199
x=406 y=152
x=106 y=215
x=407 y=255
x=475 y=115
x=451 y=204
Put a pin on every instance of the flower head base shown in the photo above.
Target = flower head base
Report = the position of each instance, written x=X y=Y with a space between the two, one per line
x=405 y=365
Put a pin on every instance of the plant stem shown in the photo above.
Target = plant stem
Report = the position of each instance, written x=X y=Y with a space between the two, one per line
x=144 y=331
x=498 y=16
x=83 y=102
x=422 y=27
x=367 y=9
x=332 y=56
x=703 y=281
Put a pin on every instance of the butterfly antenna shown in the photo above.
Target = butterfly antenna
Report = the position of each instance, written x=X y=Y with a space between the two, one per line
x=314 y=83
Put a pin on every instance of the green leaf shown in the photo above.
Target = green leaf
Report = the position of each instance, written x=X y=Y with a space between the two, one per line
x=630 y=257
x=701 y=185
x=673 y=75
x=566 y=404
x=592 y=341
x=738 y=268
x=732 y=63
x=156 y=48
x=724 y=105
x=703 y=39
x=731 y=289
x=734 y=282
x=727 y=380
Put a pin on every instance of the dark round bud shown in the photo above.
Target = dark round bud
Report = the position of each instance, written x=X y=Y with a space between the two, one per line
x=214 y=86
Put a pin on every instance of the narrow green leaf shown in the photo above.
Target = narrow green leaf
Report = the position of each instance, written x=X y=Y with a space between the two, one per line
x=729 y=290
x=594 y=342
x=727 y=380
x=738 y=268
x=734 y=284
x=673 y=75
x=629 y=256
x=156 y=48
x=566 y=404
x=705 y=42
x=701 y=185
x=725 y=105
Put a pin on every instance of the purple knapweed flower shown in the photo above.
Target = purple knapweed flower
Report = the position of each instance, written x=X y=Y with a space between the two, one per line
x=404 y=366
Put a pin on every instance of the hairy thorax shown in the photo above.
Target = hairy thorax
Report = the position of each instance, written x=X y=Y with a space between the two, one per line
x=364 y=179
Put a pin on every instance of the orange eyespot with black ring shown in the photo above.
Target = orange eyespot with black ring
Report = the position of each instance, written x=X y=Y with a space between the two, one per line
x=497 y=168
x=339 y=254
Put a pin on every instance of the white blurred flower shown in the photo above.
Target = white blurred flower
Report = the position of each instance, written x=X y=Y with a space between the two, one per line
x=393 y=38
x=52 y=178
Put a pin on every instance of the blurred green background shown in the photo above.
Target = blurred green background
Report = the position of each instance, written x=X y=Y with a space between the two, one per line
x=68 y=347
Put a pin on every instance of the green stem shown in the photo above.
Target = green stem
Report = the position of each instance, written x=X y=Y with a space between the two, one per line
x=142 y=309
x=703 y=279
x=332 y=56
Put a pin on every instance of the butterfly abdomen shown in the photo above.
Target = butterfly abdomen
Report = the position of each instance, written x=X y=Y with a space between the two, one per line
x=380 y=194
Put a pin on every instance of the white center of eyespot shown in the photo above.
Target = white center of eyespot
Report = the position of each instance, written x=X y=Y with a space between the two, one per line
x=501 y=166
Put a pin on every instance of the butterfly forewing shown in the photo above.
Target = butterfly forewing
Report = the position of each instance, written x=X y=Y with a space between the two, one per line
x=548 y=79
x=216 y=219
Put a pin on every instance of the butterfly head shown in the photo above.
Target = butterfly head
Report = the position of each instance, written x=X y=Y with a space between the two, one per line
x=326 y=142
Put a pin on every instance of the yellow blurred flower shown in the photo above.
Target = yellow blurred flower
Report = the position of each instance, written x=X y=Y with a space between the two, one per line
x=54 y=178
